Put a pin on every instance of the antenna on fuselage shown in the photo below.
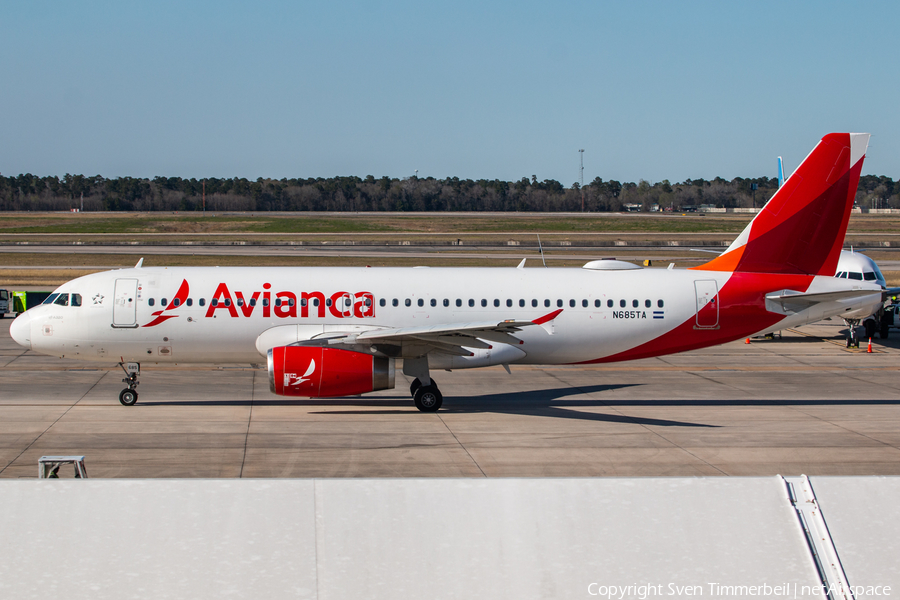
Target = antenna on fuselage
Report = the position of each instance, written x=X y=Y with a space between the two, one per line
x=542 y=251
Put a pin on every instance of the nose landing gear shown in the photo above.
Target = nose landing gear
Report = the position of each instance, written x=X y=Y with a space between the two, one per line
x=129 y=395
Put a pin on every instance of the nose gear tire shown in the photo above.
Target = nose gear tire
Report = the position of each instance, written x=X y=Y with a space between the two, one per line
x=128 y=397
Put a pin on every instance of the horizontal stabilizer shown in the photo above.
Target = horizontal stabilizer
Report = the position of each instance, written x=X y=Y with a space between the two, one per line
x=793 y=302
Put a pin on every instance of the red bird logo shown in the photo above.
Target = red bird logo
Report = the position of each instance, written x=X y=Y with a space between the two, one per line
x=177 y=301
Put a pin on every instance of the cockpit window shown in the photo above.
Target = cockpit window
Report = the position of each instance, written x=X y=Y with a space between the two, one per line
x=76 y=300
x=878 y=272
x=869 y=276
x=50 y=299
x=62 y=300
x=856 y=276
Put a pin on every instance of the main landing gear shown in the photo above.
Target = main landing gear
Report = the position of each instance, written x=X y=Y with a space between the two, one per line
x=428 y=398
x=129 y=395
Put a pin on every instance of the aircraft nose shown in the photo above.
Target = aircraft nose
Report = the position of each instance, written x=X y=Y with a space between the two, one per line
x=20 y=330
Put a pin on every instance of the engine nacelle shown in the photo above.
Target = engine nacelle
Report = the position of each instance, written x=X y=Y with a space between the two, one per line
x=317 y=372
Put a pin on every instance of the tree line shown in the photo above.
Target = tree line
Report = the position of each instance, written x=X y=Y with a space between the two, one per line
x=33 y=193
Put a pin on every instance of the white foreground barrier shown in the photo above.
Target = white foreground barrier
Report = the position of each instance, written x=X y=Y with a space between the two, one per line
x=438 y=538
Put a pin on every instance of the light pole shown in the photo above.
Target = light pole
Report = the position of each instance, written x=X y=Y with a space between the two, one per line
x=581 y=154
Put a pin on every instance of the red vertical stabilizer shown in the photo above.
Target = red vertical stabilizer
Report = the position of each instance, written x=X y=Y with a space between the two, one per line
x=801 y=229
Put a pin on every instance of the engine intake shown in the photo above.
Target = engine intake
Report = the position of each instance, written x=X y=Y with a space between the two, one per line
x=317 y=372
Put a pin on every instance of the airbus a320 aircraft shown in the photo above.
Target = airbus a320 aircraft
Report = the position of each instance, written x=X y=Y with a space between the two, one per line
x=329 y=332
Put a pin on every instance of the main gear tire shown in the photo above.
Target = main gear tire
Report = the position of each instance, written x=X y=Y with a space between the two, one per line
x=428 y=398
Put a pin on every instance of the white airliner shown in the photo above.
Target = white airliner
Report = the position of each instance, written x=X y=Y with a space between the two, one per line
x=859 y=267
x=337 y=331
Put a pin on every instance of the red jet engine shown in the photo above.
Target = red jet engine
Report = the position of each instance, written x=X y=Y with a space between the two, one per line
x=316 y=372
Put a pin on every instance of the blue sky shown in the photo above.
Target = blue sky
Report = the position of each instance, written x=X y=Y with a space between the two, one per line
x=652 y=90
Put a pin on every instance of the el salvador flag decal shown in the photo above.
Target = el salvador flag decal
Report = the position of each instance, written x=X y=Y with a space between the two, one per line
x=659 y=314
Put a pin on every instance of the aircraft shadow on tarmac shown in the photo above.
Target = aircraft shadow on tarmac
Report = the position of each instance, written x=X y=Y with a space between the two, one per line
x=542 y=403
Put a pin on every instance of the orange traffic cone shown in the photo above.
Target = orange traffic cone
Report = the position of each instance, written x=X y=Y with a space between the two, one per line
x=748 y=341
x=869 y=349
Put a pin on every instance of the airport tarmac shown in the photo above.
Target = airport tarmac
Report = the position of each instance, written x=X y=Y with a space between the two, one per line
x=802 y=404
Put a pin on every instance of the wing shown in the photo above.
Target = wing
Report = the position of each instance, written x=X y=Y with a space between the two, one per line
x=446 y=338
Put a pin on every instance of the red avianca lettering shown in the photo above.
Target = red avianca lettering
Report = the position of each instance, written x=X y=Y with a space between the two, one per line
x=341 y=305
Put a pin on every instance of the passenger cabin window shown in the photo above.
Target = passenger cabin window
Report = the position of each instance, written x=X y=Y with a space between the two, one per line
x=151 y=302
x=609 y=303
x=471 y=302
x=381 y=302
x=534 y=302
x=496 y=303
x=622 y=303
x=483 y=302
x=522 y=303
x=459 y=302
x=395 y=302
x=572 y=303
x=434 y=301
x=408 y=302
x=202 y=302
x=635 y=303
x=559 y=303
x=177 y=302
x=190 y=302
x=660 y=303
x=547 y=303
x=421 y=302
x=446 y=302
x=647 y=303
x=584 y=303
x=163 y=302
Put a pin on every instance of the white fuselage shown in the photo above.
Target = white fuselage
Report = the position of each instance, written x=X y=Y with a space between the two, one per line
x=604 y=312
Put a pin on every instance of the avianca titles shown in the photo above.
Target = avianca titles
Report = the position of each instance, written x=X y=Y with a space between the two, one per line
x=328 y=332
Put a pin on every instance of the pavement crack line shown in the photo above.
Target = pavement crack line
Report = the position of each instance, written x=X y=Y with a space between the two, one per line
x=16 y=357
x=40 y=435
x=634 y=420
x=466 y=450
x=249 y=420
